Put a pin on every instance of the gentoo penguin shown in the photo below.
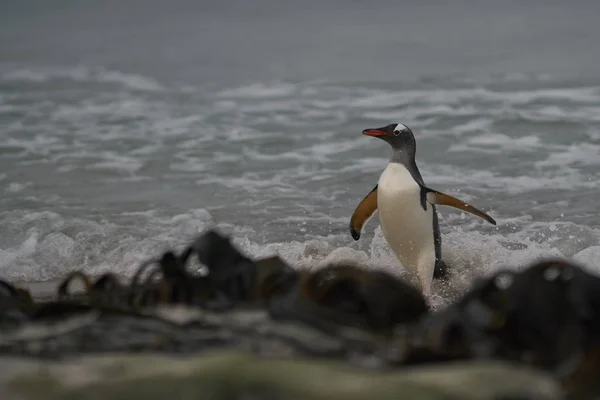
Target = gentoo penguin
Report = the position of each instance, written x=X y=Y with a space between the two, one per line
x=406 y=206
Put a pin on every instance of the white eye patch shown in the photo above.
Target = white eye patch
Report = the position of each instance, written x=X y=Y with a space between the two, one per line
x=399 y=128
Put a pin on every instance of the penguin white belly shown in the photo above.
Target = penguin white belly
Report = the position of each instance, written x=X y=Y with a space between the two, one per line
x=407 y=227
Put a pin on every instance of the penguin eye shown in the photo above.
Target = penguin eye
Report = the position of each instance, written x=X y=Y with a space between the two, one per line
x=396 y=132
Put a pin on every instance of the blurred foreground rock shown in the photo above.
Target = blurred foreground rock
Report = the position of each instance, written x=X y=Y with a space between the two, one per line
x=234 y=375
x=252 y=326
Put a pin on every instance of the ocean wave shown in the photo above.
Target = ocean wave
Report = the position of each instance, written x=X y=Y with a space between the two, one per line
x=50 y=245
x=82 y=74
x=499 y=143
x=386 y=99
x=260 y=91
x=587 y=154
x=563 y=179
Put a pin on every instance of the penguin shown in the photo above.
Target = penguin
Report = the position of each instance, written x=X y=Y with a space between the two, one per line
x=407 y=209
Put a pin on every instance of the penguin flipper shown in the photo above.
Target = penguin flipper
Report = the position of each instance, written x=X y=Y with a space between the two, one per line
x=435 y=197
x=363 y=212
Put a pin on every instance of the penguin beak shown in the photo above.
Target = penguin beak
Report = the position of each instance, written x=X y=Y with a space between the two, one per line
x=375 y=132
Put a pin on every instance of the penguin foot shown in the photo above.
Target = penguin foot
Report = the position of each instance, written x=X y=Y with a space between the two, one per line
x=441 y=270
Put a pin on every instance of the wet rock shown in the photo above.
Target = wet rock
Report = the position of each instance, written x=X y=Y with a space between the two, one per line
x=546 y=316
x=346 y=295
x=184 y=330
x=15 y=303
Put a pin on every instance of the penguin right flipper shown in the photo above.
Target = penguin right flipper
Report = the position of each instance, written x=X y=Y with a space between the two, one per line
x=363 y=212
x=435 y=197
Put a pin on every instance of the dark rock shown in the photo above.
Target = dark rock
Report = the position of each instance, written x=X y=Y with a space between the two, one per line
x=545 y=316
x=345 y=295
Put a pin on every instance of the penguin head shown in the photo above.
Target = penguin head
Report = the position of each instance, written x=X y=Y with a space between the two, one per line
x=399 y=136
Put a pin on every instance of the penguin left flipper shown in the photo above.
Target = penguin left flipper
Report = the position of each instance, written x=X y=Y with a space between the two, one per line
x=363 y=212
x=439 y=198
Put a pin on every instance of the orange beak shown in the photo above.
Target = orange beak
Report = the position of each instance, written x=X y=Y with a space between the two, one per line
x=375 y=132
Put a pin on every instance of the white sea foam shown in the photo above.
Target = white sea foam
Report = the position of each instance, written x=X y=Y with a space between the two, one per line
x=82 y=74
x=473 y=125
x=53 y=245
x=564 y=179
x=50 y=245
x=259 y=91
x=499 y=143
x=388 y=99
x=577 y=153
x=15 y=187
